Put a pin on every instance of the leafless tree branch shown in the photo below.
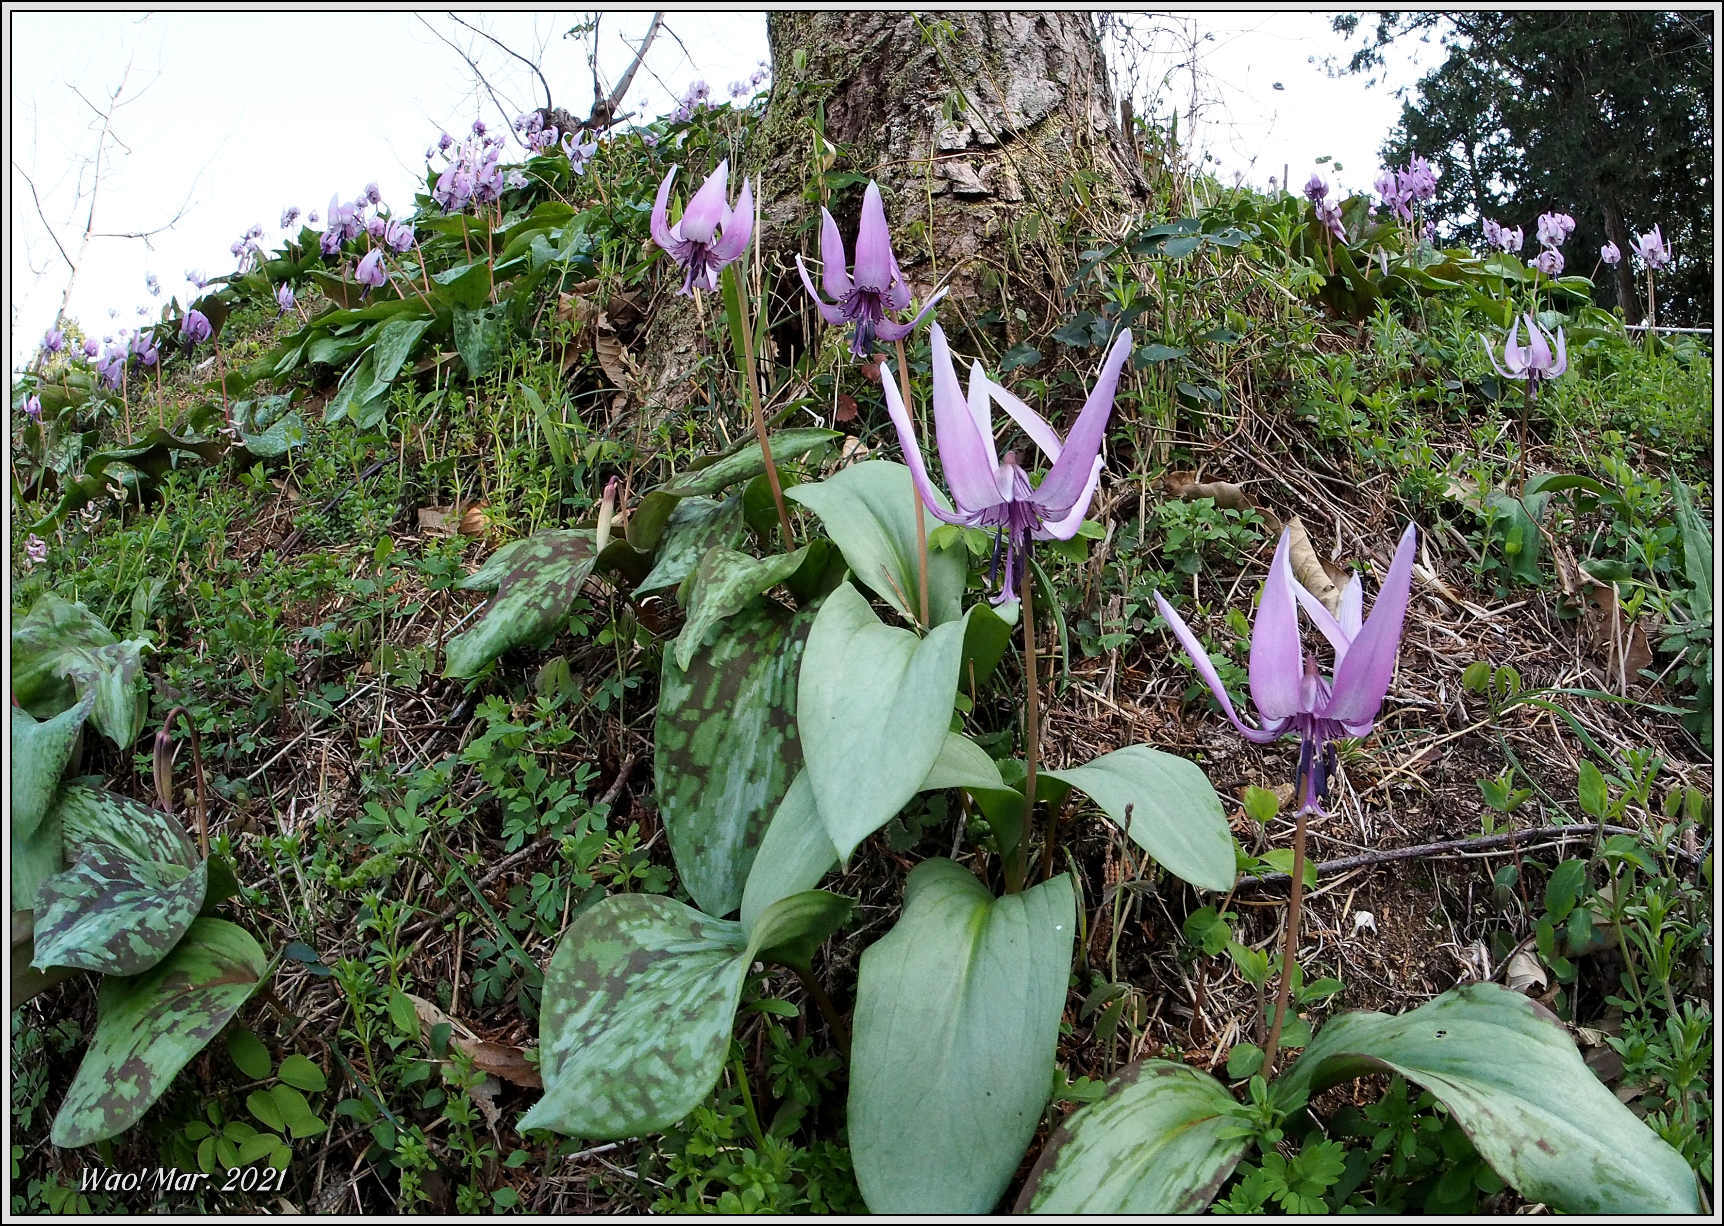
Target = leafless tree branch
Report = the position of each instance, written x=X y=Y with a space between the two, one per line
x=43 y=217
x=510 y=51
x=508 y=121
x=606 y=109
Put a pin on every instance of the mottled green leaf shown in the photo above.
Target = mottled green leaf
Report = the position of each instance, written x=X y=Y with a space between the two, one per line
x=639 y=1001
x=481 y=335
x=694 y=526
x=1511 y=1076
x=149 y=1025
x=957 y=1016
x=873 y=704
x=743 y=461
x=465 y=285
x=536 y=580
x=61 y=650
x=1163 y=1140
x=40 y=753
x=725 y=748
x=93 y=817
x=869 y=511
x=114 y=915
x=724 y=582
x=395 y=342
x=27 y=981
x=1175 y=814
x=267 y=427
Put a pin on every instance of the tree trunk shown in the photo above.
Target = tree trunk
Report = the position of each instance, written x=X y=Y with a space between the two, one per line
x=993 y=137
x=1617 y=232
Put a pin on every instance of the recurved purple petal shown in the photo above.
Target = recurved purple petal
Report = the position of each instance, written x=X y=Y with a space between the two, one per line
x=1561 y=362
x=1066 y=527
x=891 y=333
x=1490 y=355
x=1205 y=669
x=1029 y=421
x=874 y=262
x=1277 y=664
x=900 y=416
x=1537 y=346
x=661 y=233
x=1066 y=479
x=703 y=213
x=1326 y=621
x=832 y=259
x=1362 y=680
x=966 y=453
x=738 y=227
x=833 y=315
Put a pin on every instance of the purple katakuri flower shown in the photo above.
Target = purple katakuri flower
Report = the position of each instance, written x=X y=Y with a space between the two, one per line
x=312 y=217
x=870 y=291
x=398 y=236
x=691 y=242
x=1611 y=254
x=284 y=297
x=1549 y=262
x=194 y=328
x=993 y=492
x=649 y=138
x=289 y=215
x=372 y=194
x=375 y=226
x=1554 y=229
x=143 y=348
x=151 y=284
x=578 y=151
x=1291 y=695
x=1652 y=248
x=91 y=348
x=53 y=340
x=370 y=271
x=329 y=242
x=443 y=142
x=1536 y=360
x=1418 y=181
x=1501 y=237
x=1315 y=188
x=196 y=279
x=478 y=127
x=1330 y=215
x=35 y=550
x=516 y=180
x=33 y=407
x=738 y=89
x=112 y=366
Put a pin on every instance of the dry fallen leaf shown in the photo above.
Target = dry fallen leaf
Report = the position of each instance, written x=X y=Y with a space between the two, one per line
x=466 y=518
x=493 y=1059
x=1524 y=970
x=854 y=451
x=1184 y=485
x=846 y=410
x=1309 y=569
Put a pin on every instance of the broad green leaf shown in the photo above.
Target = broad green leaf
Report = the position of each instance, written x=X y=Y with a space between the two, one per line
x=149 y=1025
x=465 y=286
x=796 y=852
x=742 y=461
x=26 y=980
x=481 y=335
x=1510 y=1075
x=248 y=1053
x=725 y=748
x=794 y=927
x=266 y=427
x=60 y=649
x=693 y=526
x=111 y=674
x=394 y=345
x=639 y=1001
x=725 y=582
x=536 y=580
x=1696 y=551
x=1163 y=1140
x=872 y=707
x=957 y=1016
x=347 y=401
x=40 y=754
x=114 y=915
x=1175 y=814
x=869 y=511
x=94 y=817
x=299 y=1071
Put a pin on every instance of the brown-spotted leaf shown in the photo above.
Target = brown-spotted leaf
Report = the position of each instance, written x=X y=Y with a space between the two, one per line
x=148 y=1026
x=114 y=915
x=536 y=580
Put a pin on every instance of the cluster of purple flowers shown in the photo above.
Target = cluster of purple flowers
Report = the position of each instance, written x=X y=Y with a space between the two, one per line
x=1328 y=212
x=472 y=175
x=1400 y=189
x=538 y=135
x=1502 y=238
x=289 y=215
x=698 y=95
x=196 y=279
x=1653 y=249
x=578 y=151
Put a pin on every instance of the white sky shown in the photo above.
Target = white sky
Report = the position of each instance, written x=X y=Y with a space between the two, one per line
x=242 y=114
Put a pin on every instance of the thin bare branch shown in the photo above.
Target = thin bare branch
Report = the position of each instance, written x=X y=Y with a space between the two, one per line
x=510 y=51
x=42 y=216
x=622 y=88
x=479 y=76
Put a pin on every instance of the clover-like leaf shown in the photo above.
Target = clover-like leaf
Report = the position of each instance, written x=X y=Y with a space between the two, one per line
x=536 y=581
x=149 y=1025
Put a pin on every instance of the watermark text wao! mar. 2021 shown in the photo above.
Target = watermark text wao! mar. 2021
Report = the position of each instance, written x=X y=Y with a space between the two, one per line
x=172 y=1179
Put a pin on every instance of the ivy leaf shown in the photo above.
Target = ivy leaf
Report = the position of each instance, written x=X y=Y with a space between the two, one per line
x=536 y=581
x=148 y=1026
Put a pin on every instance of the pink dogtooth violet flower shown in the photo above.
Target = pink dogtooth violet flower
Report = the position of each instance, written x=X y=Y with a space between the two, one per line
x=991 y=491
x=1291 y=694
x=1554 y=229
x=1534 y=360
x=874 y=287
x=1652 y=248
x=370 y=271
x=1611 y=254
x=695 y=240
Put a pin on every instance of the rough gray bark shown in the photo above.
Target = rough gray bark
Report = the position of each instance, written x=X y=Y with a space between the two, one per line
x=993 y=137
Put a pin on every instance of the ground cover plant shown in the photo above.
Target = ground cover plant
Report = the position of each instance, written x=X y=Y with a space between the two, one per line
x=448 y=777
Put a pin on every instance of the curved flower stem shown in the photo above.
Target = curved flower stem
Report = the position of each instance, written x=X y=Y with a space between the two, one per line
x=921 y=515
x=1525 y=416
x=828 y=1010
x=1291 y=948
x=1032 y=731
x=753 y=380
